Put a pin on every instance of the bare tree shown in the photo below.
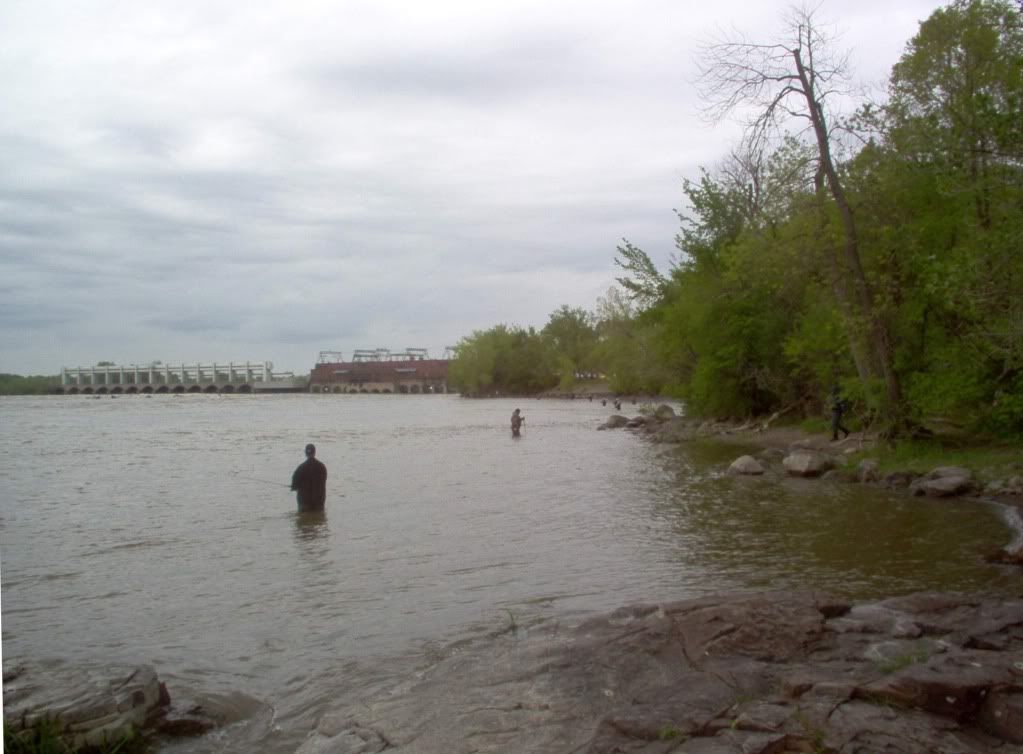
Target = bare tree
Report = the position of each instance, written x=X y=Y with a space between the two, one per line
x=773 y=84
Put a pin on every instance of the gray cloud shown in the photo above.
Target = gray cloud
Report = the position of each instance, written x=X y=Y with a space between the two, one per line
x=203 y=181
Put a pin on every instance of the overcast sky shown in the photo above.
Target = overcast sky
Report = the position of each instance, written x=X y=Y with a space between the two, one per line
x=195 y=180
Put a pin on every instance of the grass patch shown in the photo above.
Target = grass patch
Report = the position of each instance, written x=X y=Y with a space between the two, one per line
x=897 y=663
x=813 y=425
x=815 y=734
x=42 y=738
x=988 y=460
x=668 y=732
x=45 y=737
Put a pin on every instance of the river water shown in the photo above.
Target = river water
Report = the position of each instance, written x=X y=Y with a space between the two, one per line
x=160 y=530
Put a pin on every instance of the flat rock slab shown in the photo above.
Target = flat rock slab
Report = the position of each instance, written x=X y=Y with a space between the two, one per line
x=752 y=673
x=92 y=705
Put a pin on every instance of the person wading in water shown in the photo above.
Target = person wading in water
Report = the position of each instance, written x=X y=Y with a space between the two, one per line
x=517 y=421
x=310 y=482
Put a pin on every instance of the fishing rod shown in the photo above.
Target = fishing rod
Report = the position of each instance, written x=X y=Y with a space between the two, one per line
x=264 y=481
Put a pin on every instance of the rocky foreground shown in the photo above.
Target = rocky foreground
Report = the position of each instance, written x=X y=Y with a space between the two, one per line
x=755 y=674
x=763 y=673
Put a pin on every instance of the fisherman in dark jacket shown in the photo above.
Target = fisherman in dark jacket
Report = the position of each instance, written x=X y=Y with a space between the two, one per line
x=310 y=482
x=838 y=407
x=516 y=422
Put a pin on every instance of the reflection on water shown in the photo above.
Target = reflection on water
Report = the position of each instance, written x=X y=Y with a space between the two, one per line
x=122 y=539
x=846 y=539
x=311 y=525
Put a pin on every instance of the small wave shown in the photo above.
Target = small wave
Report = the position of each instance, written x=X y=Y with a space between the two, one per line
x=59 y=576
x=139 y=545
x=486 y=567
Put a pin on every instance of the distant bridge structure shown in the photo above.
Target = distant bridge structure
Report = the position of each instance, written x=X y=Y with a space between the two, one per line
x=380 y=370
x=215 y=377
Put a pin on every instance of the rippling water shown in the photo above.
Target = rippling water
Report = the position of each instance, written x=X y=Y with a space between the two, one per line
x=160 y=530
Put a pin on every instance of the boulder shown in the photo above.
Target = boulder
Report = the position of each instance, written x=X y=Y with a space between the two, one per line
x=948 y=471
x=664 y=412
x=948 y=486
x=747 y=465
x=807 y=463
x=898 y=479
x=1011 y=486
x=867 y=470
x=945 y=481
x=840 y=475
x=673 y=430
x=615 y=421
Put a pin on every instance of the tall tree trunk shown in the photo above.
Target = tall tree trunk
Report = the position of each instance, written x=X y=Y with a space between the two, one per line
x=865 y=367
x=878 y=334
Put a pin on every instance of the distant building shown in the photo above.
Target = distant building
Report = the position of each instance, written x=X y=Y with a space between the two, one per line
x=379 y=371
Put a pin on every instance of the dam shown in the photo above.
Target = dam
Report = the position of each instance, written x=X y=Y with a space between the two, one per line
x=213 y=377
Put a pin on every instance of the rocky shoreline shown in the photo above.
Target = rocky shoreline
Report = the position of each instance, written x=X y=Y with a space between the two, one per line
x=792 y=452
x=753 y=673
x=742 y=674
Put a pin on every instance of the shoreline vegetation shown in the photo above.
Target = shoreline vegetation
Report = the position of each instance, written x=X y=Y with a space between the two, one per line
x=37 y=384
x=877 y=253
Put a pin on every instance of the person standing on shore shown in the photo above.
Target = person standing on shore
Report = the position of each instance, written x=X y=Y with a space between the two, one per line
x=517 y=421
x=310 y=482
x=838 y=407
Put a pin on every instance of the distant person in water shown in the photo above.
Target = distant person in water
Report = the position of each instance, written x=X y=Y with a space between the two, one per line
x=517 y=421
x=310 y=482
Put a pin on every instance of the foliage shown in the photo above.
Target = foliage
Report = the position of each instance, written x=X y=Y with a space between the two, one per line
x=890 y=266
x=503 y=360
x=572 y=335
x=13 y=384
x=765 y=307
x=643 y=282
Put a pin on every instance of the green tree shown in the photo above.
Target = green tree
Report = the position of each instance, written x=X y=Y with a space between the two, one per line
x=951 y=164
x=572 y=334
x=794 y=78
x=504 y=359
x=15 y=384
